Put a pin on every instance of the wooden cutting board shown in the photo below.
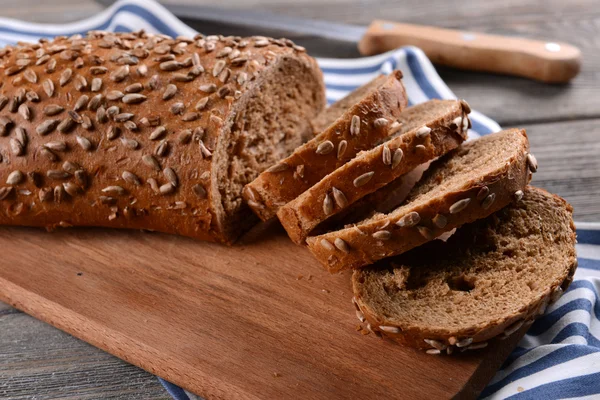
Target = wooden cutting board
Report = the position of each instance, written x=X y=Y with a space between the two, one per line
x=258 y=320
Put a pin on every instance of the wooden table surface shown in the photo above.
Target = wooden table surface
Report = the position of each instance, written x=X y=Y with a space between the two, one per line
x=38 y=361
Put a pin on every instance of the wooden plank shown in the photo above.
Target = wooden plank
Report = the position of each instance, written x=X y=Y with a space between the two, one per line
x=254 y=321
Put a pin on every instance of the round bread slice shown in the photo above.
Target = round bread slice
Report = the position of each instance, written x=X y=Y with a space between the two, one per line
x=467 y=184
x=488 y=280
x=429 y=130
x=363 y=125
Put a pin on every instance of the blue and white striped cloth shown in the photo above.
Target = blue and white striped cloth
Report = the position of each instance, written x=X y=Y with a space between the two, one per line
x=560 y=355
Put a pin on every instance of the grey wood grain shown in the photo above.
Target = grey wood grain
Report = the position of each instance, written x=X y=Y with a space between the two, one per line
x=38 y=361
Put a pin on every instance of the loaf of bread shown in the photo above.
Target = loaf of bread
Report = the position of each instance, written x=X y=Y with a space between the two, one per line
x=488 y=280
x=469 y=183
x=359 y=128
x=428 y=131
x=145 y=131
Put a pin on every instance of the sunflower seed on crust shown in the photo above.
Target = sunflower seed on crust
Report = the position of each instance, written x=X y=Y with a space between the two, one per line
x=459 y=206
x=171 y=176
x=279 y=167
x=84 y=143
x=167 y=188
x=440 y=221
x=360 y=316
x=150 y=161
x=131 y=178
x=24 y=112
x=425 y=232
x=327 y=205
x=482 y=193
x=476 y=346
x=397 y=158
x=389 y=329
x=488 y=201
x=386 y=155
x=363 y=179
x=130 y=143
x=382 y=235
x=52 y=109
x=65 y=77
x=423 y=132
x=381 y=122
x=326 y=244
x=513 y=328
x=5 y=192
x=71 y=189
x=81 y=102
x=341 y=245
x=518 y=195
x=409 y=220
x=464 y=342
x=432 y=351
x=114 y=189
x=435 y=344
x=16 y=147
x=342 y=145
x=325 y=147
x=532 y=162
x=339 y=197
x=15 y=177
x=355 y=125
x=46 y=127
x=133 y=98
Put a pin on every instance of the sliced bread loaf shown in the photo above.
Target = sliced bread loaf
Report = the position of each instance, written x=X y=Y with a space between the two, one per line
x=428 y=130
x=362 y=126
x=489 y=279
x=467 y=184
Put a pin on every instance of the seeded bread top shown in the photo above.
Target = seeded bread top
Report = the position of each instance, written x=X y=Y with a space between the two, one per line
x=468 y=183
x=362 y=126
x=428 y=130
x=122 y=127
x=491 y=271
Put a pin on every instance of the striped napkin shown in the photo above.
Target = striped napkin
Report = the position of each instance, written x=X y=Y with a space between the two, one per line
x=560 y=355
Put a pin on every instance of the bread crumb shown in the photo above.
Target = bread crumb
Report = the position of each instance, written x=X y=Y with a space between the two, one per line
x=520 y=389
x=299 y=277
x=276 y=375
x=358 y=327
x=364 y=332
x=324 y=290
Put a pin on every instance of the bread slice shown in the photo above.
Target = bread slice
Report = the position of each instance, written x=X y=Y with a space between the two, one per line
x=467 y=184
x=362 y=126
x=489 y=279
x=337 y=109
x=428 y=131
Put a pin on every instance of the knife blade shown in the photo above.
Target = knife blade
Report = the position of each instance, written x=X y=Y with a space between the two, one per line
x=551 y=62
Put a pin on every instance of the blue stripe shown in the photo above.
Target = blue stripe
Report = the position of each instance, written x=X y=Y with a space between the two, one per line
x=558 y=356
x=588 y=264
x=175 y=391
x=585 y=385
x=588 y=236
x=547 y=321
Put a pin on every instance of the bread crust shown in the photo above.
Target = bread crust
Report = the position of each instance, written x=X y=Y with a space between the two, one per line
x=119 y=130
x=496 y=328
x=353 y=132
x=447 y=131
x=362 y=245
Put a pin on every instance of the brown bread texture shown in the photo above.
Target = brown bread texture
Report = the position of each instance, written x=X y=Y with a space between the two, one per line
x=428 y=131
x=148 y=132
x=360 y=127
x=490 y=278
x=469 y=183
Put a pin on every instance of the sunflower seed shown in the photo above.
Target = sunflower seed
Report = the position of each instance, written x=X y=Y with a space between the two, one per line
x=190 y=116
x=242 y=78
x=204 y=150
x=476 y=346
x=86 y=123
x=363 y=179
x=359 y=314
x=532 y=162
x=158 y=133
x=134 y=88
x=15 y=177
x=95 y=102
x=341 y=245
x=120 y=74
x=57 y=174
x=423 y=132
x=355 y=125
x=170 y=66
x=435 y=344
x=129 y=143
x=122 y=117
x=519 y=195
x=45 y=194
x=107 y=200
x=459 y=206
x=81 y=102
x=84 y=143
x=48 y=154
x=466 y=124
x=59 y=194
x=390 y=329
x=440 y=221
x=167 y=188
x=65 y=77
x=223 y=91
x=185 y=136
x=5 y=192
x=397 y=158
x=386 y=155
x=57 y=145
x=16 y=147
x=483 y=192
x=218 y=68
x=70 y=167
x=464 y=342
x=279 y=167
x=150 y=161
x=98 y=70
x=133 y=98
x=32 y=96
x=325 y=147
x=169 y=92
x=130 y=126
x=30 y=76
x=51 y=66
x=208 y=88
x=80 y=83
x=409 y=220
x=199 y=191
x=513 y=328
x=326 y=244
x=46 y=127
x=488 y=201
x=382 y=235
x=339 y=197
x=112 y=111
x=177 y=108
x=142 y=70
x=71 y=189
x=3 y=101
x=53 y=109
x=24 y=112
x=114 y=95
x=381 y=122
x=327 y=205
x=65 y=125
x=556 y=294
x=171 y=176
x=425 y=232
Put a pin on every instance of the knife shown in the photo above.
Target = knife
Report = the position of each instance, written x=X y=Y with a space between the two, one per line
x=545 y=61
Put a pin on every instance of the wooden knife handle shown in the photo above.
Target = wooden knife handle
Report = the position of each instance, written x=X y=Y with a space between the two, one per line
x=543 y=61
